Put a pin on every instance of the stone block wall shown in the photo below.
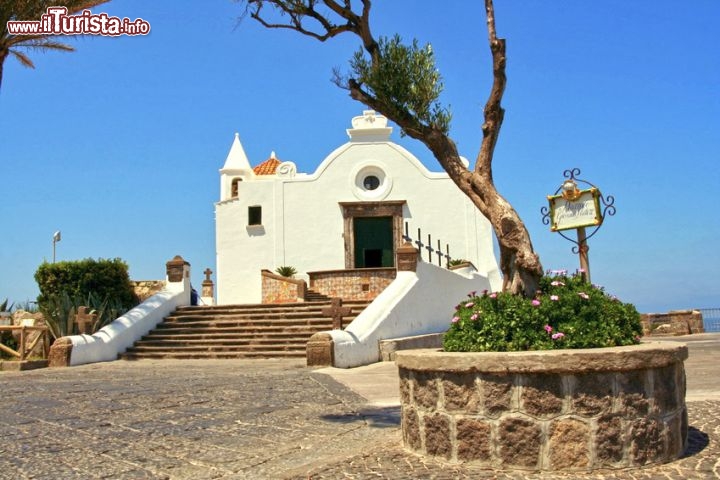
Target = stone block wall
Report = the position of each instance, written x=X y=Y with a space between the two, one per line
x=530 y=419
x=145 y=289
x=357 y=284
x=279 y=289
x=678 y=322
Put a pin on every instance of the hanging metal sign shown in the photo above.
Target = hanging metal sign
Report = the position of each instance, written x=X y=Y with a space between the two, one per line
x=581 y=208
x=572 y=208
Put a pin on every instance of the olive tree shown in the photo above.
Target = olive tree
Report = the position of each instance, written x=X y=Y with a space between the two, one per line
x=402 y=82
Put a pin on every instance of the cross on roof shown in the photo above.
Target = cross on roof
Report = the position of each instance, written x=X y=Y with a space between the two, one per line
x=337 y=312
x=207 y=273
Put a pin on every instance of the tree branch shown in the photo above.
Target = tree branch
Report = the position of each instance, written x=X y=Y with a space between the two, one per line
x=493 y=112
x=442 y=146
x=299 y=11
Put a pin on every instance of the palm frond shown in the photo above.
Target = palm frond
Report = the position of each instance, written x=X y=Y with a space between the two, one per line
x=77 y=5
x=32 y=10
x=22 y=58
x=47 y=43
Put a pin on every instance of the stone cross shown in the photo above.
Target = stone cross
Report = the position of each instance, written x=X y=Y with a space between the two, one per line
x=84 y=320
x=337 y=312
x=207 y=273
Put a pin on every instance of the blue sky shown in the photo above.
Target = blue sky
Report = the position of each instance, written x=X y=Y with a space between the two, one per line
x=118 y=144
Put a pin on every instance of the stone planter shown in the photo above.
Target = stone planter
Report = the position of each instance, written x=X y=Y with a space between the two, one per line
x=558 y=410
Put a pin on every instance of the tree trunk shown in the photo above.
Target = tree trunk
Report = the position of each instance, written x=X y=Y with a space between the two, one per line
x=519 y=264
x=3 y=57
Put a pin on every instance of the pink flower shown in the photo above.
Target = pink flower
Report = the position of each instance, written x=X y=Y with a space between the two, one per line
x=535 y=302
x=474 y=316
x=557 y=283
x=472 y=294
x=469 y=304
x=554 y=298
x=548 y=328
x=455 y=319
x=558 y=335
x=584 y=295
x=493 y=295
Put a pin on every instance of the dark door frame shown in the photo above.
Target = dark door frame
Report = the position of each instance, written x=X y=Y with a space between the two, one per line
x=350 y=210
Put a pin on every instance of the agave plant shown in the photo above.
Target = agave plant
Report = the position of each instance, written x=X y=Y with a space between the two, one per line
x=286 y=271
x=457 y=261
x=106 y=310
x=4 y=306
x=60 y=311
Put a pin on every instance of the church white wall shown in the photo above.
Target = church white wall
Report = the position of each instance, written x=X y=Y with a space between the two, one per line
x=416 y=303
x=303 y=223
x=244 y=250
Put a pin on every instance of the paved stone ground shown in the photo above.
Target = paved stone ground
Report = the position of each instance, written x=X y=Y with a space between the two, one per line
x=256 y=419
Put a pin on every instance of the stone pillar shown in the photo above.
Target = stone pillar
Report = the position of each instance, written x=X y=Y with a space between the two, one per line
x=320 y=350
x=208 y=289
x=176 y=271
x=407 y=258
x=178 y=278
x=60 y=353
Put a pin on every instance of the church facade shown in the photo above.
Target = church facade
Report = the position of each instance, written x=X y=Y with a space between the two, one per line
x=351 y=213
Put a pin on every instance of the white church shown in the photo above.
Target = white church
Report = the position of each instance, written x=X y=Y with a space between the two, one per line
x=351 y=213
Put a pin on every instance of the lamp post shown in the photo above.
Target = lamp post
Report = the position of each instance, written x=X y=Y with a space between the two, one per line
x=56 y=238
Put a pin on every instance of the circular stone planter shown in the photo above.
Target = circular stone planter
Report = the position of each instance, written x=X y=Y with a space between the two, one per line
x=555 y=410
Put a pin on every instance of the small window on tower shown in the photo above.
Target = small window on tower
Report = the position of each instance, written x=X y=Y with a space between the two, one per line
x=255 y=215
x=234 y=187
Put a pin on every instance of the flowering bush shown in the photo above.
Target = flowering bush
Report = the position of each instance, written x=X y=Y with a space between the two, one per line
x=567 y=312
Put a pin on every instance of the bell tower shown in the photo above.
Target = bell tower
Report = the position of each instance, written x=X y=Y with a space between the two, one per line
x=236 y=169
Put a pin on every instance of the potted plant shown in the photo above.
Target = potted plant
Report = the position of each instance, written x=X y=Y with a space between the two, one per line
x=558 y=382
x=286 y=271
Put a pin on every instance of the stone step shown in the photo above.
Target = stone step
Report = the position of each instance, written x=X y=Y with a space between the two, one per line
x=313 y=296
x=217 y=348
x=237 y=331
x=223 y=345
x=211 y=355
x=255 y=324
x=249 y=316
x=221 y=336
x=283 y=307
x=239 y=339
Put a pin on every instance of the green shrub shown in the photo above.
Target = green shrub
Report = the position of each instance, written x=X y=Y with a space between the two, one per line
x=286 y=271
x=103 y=278
x=567 y=312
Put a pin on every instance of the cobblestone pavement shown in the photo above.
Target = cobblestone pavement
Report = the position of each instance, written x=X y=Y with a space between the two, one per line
x=248 y=419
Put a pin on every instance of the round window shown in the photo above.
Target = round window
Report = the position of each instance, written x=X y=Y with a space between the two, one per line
x=371 y=182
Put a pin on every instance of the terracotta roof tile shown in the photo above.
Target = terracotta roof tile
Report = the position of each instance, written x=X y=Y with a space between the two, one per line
x=268 y=167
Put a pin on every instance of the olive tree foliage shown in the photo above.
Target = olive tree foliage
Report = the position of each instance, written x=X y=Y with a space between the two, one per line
x=401 y=81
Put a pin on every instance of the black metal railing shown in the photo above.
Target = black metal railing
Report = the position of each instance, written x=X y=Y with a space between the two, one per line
x=428 y=247
x=711 y=319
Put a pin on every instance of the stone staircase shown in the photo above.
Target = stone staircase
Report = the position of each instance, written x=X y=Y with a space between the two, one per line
x=237 y=331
